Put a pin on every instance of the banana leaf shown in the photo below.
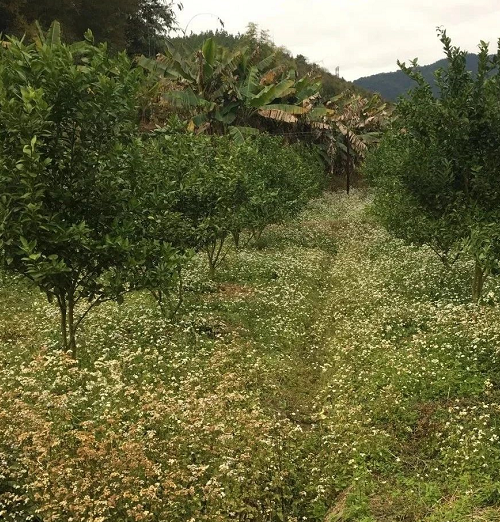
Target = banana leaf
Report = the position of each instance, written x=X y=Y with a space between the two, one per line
x=240 y=134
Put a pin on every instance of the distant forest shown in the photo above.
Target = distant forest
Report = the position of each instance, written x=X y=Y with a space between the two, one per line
x=394 y=84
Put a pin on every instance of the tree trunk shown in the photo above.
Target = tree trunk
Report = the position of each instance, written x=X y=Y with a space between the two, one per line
x=71 y=326
x=236 y=238
x=211 y=267
x=478 y=281
x=258 y=234
x=332 y=170
x=67 y=323
x=348 y=166
x=64 y=323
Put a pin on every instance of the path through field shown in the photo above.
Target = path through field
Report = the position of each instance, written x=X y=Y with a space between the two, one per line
x=330 y=374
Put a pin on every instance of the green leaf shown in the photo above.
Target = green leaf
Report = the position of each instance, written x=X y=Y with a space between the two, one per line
x=271 y=93
x=209 y=51
x=251 y=83
x=54 y=34
x=227 y=118
x=266 y=62
x=200 y=119
x=187 y=98
x=319 y=112
x=284 y=88
x=288 y=109
x=265 y=96
x=240 y=134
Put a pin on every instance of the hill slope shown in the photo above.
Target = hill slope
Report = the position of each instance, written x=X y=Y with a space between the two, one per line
x=332 y=84
x=394 y=84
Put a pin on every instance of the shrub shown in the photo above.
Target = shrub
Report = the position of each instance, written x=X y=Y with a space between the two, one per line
x=279 y=180
x=67 y=212
x=436 y=172
x=213 y=187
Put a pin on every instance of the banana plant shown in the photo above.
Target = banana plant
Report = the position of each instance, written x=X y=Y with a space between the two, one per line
x=348 y=124
x=223 y=91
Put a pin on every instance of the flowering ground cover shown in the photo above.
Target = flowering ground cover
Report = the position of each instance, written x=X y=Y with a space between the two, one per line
x=331 y=373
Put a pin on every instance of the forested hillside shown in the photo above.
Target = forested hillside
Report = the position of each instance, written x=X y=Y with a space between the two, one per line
x=331 y=84
x=139 y=26
x=391 y=85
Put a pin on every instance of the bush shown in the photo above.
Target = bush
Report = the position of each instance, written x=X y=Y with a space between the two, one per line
x=436 y=172
x=67 y=211
x=279 y=179
x=213 y=187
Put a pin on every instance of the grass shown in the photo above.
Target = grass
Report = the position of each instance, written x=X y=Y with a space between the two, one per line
x=331 y=373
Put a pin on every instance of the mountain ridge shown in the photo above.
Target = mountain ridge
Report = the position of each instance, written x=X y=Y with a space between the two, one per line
x=391 y=85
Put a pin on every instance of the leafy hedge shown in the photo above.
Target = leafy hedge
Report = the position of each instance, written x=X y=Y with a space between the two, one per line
x=212 y=187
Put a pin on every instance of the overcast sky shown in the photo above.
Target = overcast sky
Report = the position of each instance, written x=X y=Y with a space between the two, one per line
x=362 y=37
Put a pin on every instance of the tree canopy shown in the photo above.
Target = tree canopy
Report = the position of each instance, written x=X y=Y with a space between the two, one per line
x=67 y=116
x=135 y=25
x=437 y=171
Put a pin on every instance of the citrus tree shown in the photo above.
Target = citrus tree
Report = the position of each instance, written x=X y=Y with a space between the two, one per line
x=436 y=171
x=195 y=187
x=67 y=122
x=279 y=180
x=205 y=188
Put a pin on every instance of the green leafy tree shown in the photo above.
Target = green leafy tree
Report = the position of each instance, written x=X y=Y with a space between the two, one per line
x=169 y=239
x=211 y=195
x=67 y=118
x=211 y=187
x=139 y=26
x=147 y=27
x=279 y=180
x=191 y=194
x=436 y=172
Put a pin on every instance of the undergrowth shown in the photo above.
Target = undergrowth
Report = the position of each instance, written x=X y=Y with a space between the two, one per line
x=330 y=373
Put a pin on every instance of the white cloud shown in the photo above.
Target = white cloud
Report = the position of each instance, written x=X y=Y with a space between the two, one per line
x=362 y=37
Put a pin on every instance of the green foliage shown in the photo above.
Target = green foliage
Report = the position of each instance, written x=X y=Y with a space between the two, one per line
x=198 y=189
x=437 y=170
x=89 y=211
x=211 y=186
x=159 y=231
x=67 y=212
x=279 y=181
x=255 y=38
x=148 y=24
x=217 y=88
x=138 y=26
x=397 y=207
x=347 y=126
